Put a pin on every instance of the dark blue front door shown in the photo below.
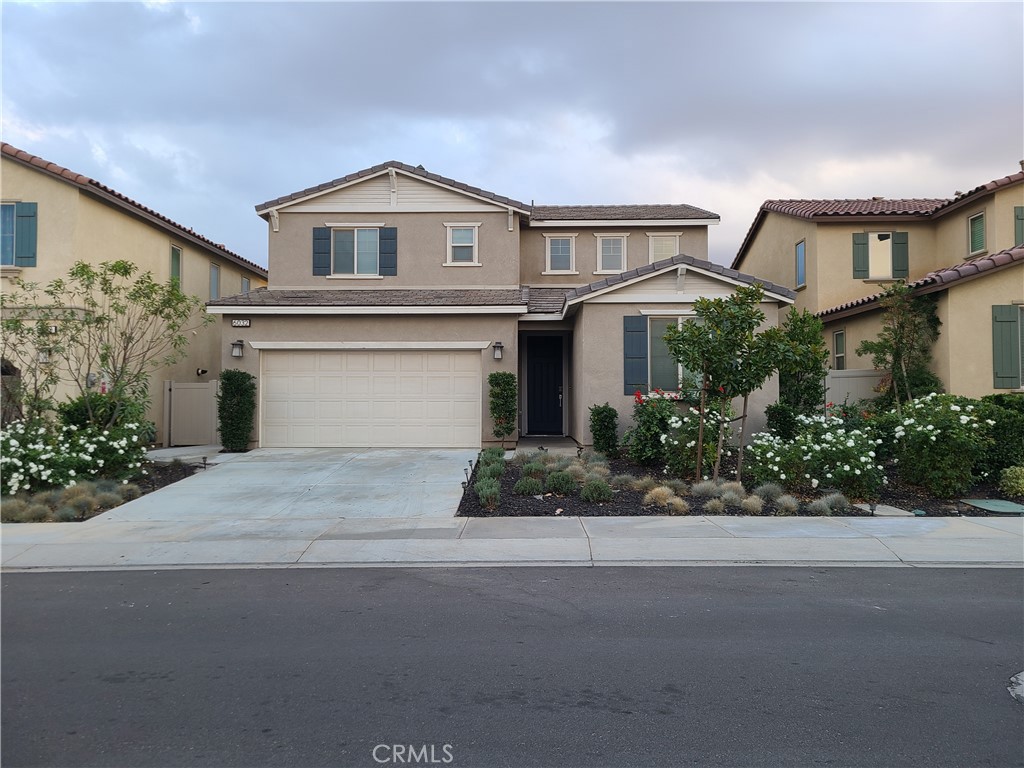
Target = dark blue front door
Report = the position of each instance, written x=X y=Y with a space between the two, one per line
x=544 y=394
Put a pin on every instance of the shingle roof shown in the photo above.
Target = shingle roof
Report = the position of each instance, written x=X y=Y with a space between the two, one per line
x=374 y=170
x=112 y=195
x=941 y=278
x=618 y=213
x=546 y=300
x=680 y=260
x=392 y=297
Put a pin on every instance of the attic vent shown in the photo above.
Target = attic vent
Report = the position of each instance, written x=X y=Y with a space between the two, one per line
x=420 y=168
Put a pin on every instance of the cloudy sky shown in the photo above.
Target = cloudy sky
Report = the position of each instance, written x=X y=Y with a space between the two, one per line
x=203 y=110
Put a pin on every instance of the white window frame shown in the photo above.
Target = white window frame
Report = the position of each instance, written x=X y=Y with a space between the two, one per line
x=873 y=238
x=214 y=281
x=571 y=237
x=680 y=319
x=650 y=243
x=246 y=285
x=984 y=239
x=450 y=226
x=181 y=262
x=799 y=257
x=601 y=237
x=836 y=357
x=355 y=229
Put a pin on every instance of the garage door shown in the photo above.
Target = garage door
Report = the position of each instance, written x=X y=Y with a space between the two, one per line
x=372 y=399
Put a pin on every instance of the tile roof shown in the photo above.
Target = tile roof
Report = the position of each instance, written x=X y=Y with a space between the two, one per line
x=546 y=300
x=984 y=189
x=680 y=260
x=941 y=278
x=390 y=297
x=376 y=169
x=112 y=195
x=618 y=212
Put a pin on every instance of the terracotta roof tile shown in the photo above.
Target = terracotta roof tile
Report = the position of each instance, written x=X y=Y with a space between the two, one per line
x=123 y=201
x=392 y=297
x=540 y=213
x=942 y=277
x=809 y=209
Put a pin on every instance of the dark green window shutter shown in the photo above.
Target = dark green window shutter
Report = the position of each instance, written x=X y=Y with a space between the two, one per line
x=1018 y=225
x=976 y=235
x=388 y=264
x=860 y=256
x=321 y=250
x=900 y=255
x=25 y=235
x=634 y=354
x=1006 y=349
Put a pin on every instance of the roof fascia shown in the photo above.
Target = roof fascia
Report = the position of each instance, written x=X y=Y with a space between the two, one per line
x=371 y=309
x=540 y=224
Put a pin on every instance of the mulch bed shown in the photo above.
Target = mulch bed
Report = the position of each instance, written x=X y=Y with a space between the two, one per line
x=161 y=475
x=630 y=503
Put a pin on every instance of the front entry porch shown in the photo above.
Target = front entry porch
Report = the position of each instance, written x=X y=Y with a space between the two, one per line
x=544 y=377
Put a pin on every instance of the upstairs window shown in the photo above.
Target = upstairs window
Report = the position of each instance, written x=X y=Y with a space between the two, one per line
x=560 y=254
x=355 y=251
x=611 y=253
x=880 y=255
x=18 y=234
x=463 y=244
x=7 y=234
x=801 y=264
x=839 y=350
x=214 y=281
x=662 y=246
x=176 y=263
x=976 y=233
x=245 y=285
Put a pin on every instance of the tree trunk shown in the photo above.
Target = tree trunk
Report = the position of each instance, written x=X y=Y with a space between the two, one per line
x=721 y=438
x=700 y=430
x=743 y=439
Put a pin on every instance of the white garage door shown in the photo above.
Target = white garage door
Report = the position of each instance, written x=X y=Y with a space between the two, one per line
x=371 y=399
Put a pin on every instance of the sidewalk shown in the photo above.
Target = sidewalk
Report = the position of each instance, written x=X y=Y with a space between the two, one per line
x=105 y=543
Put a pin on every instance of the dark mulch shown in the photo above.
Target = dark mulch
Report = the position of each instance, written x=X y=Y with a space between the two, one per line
x=161 y=475
x=629 y=502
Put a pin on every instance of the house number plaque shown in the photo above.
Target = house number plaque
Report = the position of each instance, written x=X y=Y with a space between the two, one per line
x=238 y=322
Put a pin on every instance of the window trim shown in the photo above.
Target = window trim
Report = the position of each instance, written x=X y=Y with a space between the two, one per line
x=355 y=274
x=607 y=236
x=650 y=243
x=980 y=215
x=246 y=285
x=836 y=357
x=680 y=318
x=800 y=263
x=13 y=205
x=571 y=237
x=214 y=271
x=181 y=262
x=450 y=226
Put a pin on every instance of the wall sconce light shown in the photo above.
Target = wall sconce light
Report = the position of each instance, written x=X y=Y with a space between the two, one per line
x=43 y=356
x=91 y=379
x=498 y=347
x=201 y=371
x=237 y=348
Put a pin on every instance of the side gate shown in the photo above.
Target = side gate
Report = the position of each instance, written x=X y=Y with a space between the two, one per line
x=190 y=413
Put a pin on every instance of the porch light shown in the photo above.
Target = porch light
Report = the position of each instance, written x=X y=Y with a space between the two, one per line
x=498 y=347
x=237 y=348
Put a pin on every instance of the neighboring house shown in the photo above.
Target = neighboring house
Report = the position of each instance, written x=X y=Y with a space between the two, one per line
x=395 y=292
x=839 y=255
x=51 y=217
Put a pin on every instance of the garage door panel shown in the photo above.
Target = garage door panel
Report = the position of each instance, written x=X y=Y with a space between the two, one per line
x=371 y=399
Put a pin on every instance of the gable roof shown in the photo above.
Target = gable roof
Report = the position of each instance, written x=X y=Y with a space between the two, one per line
x=583 y=213
x=115 y=198
x=376 y=170
x=938 y=280
x=870 y=208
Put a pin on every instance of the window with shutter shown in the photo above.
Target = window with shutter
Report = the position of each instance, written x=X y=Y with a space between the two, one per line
x=1006 y=346
x=1018 y=225
x=976 y=233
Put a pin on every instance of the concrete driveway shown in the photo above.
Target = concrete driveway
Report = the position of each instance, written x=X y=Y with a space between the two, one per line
x=311 y=484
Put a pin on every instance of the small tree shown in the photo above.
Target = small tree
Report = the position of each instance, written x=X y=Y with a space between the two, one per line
x=910 y=326
x=604 y=426
x=236 y=409
x=503 y=405
x=803 y=363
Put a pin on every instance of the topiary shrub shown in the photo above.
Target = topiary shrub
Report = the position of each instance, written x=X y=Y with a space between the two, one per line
x=528 y=486
x=503 y=403
x=561 y=483
x=236 y=409
x=1011 y=481
x=604 y=426
x=596 y=491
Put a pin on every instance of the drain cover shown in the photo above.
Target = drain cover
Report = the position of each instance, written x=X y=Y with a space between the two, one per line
x=996 y=506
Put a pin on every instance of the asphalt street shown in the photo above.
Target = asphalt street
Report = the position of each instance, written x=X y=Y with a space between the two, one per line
x=740 y=666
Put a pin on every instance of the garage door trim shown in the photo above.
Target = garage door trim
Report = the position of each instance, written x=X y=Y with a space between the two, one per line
x=382 y=345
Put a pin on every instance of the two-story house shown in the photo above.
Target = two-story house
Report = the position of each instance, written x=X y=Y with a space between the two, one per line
x=51 y=217
x=395 y=292
x=839 y=255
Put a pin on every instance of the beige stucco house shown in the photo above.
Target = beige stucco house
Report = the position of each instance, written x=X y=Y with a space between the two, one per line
x=839 y=255
x=53 y=217
x=395 y=292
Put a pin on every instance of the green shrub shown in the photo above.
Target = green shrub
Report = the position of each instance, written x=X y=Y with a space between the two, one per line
x=621 y=481
x=837 y=503
x=1006 y=448
x=706 y=489
x=504 y=396
x=491 y=469
x=488 y=490
x=714 y=507
x=130 y=491
x=528 y=486
x=596 y=490
x=236 y=409
x=752 y=505
x=733 y=487
x=520 y=458
x=679 y=487
x=604 y=426
x=787 y=505
x=644 y=484
x=1011 y=481
x=103 y=410
x=680 y=441
x=576 y=471
x=819 y=507
x=731 y=498
x=65 y=515
x=769 y=491
x=535 y=469
x=782 y=420
x=494 y=453
x=108 y=500
x=85 y=506
x=643 y=441
x=561 y=483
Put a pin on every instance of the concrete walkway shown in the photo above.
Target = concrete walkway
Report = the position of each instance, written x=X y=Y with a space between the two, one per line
x=330 y=508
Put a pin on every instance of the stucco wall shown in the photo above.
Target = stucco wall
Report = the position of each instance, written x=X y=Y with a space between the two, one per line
x=772 y=256
x=411 y=328
x=693 y=241
x=952 y=229
x=422 y=251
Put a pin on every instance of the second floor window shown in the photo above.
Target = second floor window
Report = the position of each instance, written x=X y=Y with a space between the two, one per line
x=214 y=281
x=611 y=253
x=880 y=255
x=976 y=233
x=560 y=254
x=7 y=234
x=245 y=285
x=663 y=247
x=801 y=263
x=839 y=350
x=355 y=251
x=463 y=246
x=176 y=263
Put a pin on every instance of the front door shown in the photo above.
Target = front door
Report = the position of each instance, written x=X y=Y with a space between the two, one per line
x=544 y=394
